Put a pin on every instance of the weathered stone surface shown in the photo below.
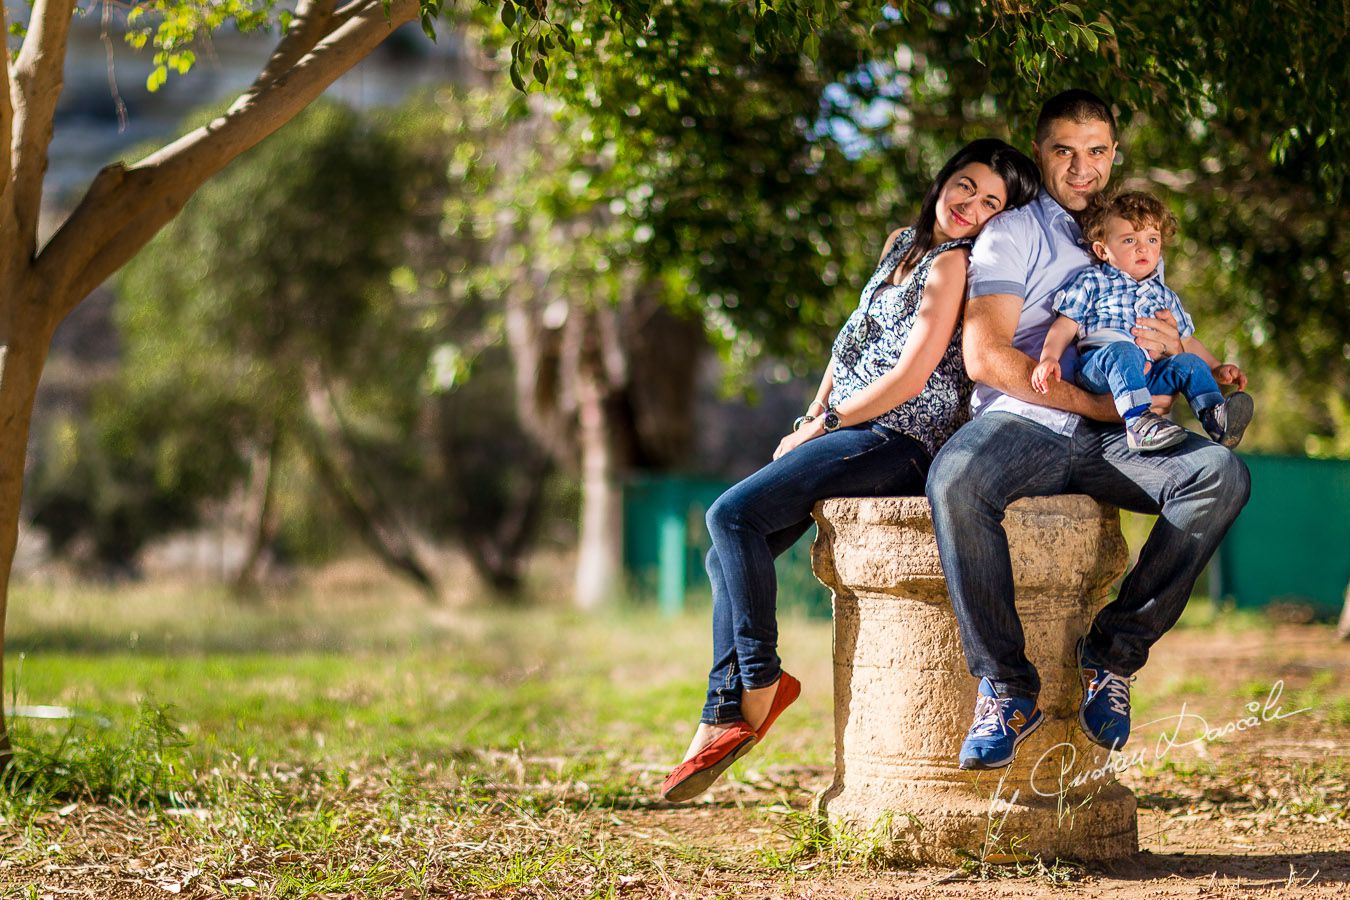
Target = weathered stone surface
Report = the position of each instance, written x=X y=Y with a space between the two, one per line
x=903 y=698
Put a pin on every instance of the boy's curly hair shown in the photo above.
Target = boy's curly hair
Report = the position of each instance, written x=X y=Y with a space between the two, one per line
x=1138 y=208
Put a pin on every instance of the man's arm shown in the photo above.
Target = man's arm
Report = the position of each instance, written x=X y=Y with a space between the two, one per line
x=991 y=358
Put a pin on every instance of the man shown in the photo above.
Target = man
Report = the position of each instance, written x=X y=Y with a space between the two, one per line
x=1020 y=443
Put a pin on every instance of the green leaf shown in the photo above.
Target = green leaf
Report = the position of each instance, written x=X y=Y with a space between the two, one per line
x=541 y=71
x=515 y=77
x=155 y=81
x=509 y=14
x=428 y=26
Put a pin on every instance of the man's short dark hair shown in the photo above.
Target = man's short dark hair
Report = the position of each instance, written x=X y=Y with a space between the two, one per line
x=1076 y=105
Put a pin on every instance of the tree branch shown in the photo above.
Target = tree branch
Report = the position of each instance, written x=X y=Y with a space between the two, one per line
x=126 y=206
x=37 y=79
x=311 y=23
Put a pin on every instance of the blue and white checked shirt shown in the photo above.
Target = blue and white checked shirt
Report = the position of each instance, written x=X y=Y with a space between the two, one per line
x=1105 y=302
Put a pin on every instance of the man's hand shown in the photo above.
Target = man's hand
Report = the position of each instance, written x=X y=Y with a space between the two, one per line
x=1157 y=336
x=1045 y=373
x=1229 y=373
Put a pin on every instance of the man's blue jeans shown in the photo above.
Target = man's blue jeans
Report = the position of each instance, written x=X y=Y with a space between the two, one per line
x=1196 y=489
x=760 y=518
x=1118 y=369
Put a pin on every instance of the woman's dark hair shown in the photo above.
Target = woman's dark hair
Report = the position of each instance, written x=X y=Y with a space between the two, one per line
x=1019 y=174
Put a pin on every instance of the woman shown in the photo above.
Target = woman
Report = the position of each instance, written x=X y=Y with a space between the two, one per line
x=895 y=390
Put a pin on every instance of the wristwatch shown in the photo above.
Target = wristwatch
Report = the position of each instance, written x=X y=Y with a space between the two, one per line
x=830 y=420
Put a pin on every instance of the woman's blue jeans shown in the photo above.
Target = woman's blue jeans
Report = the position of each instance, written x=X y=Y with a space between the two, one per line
x=760 y=518
x=1118 y=369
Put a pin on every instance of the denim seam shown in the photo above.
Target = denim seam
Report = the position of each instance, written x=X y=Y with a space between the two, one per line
x=726 y=687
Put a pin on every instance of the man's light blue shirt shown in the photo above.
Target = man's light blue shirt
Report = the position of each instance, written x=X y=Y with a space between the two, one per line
x=1030 y=252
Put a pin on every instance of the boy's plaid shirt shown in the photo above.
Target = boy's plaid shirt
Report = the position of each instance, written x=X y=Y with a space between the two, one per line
x=1104 y=299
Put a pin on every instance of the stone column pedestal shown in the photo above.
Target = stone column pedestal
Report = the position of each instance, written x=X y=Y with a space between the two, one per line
x=903 y=698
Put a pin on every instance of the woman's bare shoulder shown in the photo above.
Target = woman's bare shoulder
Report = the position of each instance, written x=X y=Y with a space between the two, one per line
x=949 y=269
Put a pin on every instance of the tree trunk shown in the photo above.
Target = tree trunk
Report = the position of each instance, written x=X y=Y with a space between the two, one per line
x=24 y=339
x=605 y=458
x=261 y=511
x=359 y=501
x=498 y=556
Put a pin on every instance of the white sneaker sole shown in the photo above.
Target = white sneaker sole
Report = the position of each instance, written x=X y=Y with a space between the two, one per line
x=978 y=765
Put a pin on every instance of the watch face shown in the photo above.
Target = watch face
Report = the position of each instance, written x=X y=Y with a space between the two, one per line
x=831 y=420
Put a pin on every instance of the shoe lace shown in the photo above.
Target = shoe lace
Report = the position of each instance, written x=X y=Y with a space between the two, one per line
x=1117 y=691
x=989 y=718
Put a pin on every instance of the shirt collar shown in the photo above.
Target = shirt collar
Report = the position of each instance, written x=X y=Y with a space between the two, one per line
x=1153 y=276
x=1058 y=215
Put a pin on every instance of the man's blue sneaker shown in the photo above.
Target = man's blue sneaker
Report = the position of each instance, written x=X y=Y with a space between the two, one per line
x=1105 y=713
x=1001 y=723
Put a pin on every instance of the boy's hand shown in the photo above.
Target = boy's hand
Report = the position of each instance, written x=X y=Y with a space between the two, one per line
x=1228 y=373
x=1045 y=372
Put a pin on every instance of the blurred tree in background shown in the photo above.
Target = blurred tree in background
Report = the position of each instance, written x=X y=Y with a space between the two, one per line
x=269 y=351
x=244 y=321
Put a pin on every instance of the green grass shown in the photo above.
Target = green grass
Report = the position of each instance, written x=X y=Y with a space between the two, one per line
x=351 y=739
x=361 y=741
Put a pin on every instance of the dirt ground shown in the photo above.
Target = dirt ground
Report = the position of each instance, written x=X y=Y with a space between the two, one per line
x=1264 y=813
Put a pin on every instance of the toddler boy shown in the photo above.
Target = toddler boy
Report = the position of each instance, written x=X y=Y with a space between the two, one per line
x=1128 y=231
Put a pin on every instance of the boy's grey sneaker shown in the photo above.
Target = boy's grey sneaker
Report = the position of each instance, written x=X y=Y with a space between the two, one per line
x=1150 y=431
x=1225 y=422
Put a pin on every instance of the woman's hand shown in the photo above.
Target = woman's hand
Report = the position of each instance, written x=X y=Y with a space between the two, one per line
x=1158 y=336
x=1045 y=373
x=1229 y=373
x=794 y=439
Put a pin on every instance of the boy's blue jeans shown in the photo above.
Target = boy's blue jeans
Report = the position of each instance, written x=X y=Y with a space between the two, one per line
x=760 y=518
x=1196 y=489
x=1118 y=369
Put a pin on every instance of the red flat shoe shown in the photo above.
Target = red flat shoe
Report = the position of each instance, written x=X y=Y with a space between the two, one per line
x=696 y=774
x=789 y=689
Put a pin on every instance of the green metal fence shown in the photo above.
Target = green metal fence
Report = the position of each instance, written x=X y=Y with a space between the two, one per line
x=665 y=542
x=1292 y=542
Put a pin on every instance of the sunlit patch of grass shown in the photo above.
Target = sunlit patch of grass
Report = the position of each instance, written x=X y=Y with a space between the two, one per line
x=1205 y=613
x=143 y=763
x=813 y=841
